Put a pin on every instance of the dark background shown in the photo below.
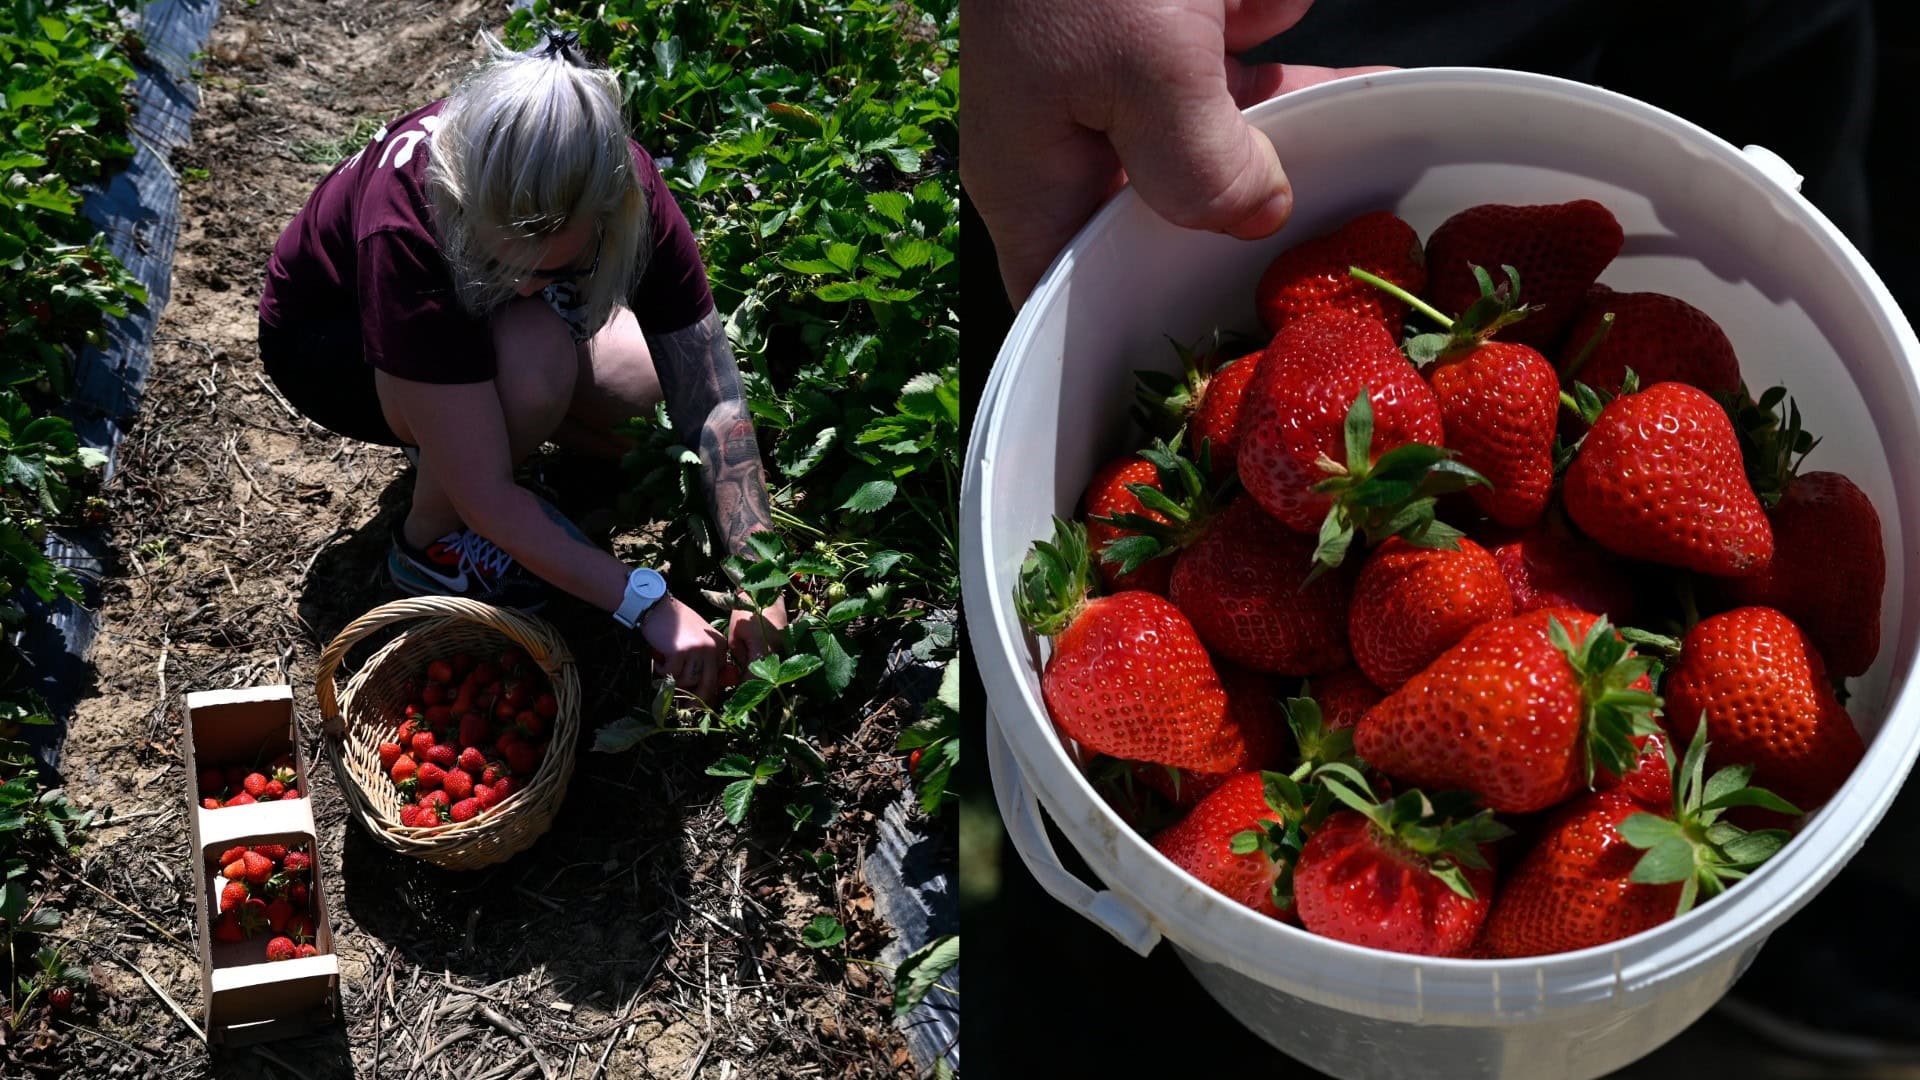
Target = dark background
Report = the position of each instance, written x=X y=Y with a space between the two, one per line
x=1830 y=87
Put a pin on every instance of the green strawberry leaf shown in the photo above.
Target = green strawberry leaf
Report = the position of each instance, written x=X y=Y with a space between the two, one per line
x=1754 y=848
x=1760 y=797
x=1245 y=843
x=1359 y=432
x=1645 y=830
x=1666 y=862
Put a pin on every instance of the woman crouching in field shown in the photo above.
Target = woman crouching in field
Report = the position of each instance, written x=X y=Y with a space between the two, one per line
x=495 y=270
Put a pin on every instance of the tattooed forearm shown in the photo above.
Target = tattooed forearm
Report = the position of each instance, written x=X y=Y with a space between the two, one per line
x=702 y=384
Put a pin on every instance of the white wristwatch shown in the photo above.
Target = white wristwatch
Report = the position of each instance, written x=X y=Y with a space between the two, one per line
x=645 y=588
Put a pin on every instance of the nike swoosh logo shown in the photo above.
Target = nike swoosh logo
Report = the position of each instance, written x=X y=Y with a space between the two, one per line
x=452 y=584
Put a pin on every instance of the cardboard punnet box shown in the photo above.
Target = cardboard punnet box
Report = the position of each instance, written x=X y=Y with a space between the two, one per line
x=247 y=998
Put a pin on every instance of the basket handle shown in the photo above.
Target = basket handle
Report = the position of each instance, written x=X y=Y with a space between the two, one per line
x=535 y=637
x=1021 y=810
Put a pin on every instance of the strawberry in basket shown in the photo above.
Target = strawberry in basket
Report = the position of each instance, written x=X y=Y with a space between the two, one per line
x=475 y=733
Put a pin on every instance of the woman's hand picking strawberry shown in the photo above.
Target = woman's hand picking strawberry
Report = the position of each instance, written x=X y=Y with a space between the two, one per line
x=753 y=634
x=686 y=647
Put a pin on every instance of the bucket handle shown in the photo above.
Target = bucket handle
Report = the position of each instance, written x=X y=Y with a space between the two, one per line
x=1774 y=166
x=1021 y=811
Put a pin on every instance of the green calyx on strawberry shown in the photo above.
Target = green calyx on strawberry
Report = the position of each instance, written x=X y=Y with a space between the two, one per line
x=1183 y=497
x=1280 y=841
x=1164 y=402
x=1617 y=712
x=1496 y=308
x=1055 y=581
x=1445 y=830
x=1772 y=443
x=1694 y=846
x=1394 y=496
x=1319 y=745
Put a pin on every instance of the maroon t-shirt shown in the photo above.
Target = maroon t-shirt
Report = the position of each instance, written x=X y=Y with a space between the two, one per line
x=363 y=247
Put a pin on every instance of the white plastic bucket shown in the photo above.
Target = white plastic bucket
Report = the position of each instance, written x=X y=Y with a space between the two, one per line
x=1721 y=227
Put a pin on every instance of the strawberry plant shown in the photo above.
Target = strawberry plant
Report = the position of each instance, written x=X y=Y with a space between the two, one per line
x=64 y=74
x=813 y=148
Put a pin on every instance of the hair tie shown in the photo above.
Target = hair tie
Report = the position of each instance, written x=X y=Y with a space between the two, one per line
x=561 y=46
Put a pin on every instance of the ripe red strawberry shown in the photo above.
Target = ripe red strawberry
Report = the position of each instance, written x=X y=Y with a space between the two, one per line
x=389 y=753
x=474 y=730
x=487 y=796
x=1661 y=338
x=530 y=723
x=304 y=950
x=252 y=914
x=275 y=791
x=403 y=770
x=1558 y=249
x=434 y=694
x=422 y=743
x=522 y=757
x=465 y=809
x=503 y=712
x=410 y=816
x=1312 y=275
x=232 y=894
x=211 y=804
x=1202 y=407
x=280 y=948
x=1411 y=604
x=237 y=851
x=1659 y=478
x=1650 y=780
x=1764 y=692
x=504 y=787
x=1520 y=712
x=1551 y=565
x=300 y=927
x=1128 y=676
x=1204 y=844
x=1407 y=875
x=1829 y=563
x=458 y=784
x=439 y=671
x=227 y=928
x=443 y=755
x=242 y=799
x=434 y=800
x=253 y=868
x=297 y=863
x=1294 y=422
x=546 y=706
x=429 y=776
x=438 y=717
x=213 y=782
x=254 y=784
x=275 y=852
x=1107 y=496
x=471 y=758
x=297 y=894
x=405 y=732
x=60 y=999
x=1344 y=697
x=492 y=773
x=1607 y=866
x=1247 y=589
x=1829 y=569
x=277 y=913
x=1253 y=708
x=292 y=793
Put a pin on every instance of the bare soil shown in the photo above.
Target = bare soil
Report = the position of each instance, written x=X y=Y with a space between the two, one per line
x=642 y=937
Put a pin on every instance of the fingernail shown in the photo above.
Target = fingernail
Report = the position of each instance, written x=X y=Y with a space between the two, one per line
x=1267 y=220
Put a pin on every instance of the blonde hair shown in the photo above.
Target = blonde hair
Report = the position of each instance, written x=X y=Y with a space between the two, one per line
x=527 y=145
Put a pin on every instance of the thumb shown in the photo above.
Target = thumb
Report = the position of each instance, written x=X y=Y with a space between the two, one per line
x=1189 y=152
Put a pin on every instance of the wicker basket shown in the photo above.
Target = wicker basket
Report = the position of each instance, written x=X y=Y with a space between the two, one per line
x=374 y=701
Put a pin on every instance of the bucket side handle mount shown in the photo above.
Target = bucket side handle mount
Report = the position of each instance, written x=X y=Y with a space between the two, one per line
x=1774 y=166
x=1021 y=811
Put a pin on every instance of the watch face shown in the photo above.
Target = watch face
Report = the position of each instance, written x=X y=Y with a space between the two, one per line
x=650 y=584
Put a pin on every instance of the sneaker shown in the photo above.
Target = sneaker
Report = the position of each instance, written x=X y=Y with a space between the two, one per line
x=464 y=563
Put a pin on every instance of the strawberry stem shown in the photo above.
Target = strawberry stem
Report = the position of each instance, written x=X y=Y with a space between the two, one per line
x=1401 y=295
x=1586 y=351
x=1055 y=580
